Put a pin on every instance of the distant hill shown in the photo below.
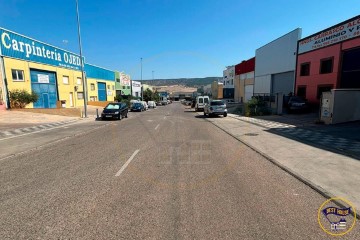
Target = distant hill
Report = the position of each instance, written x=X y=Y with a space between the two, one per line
x=188 y=82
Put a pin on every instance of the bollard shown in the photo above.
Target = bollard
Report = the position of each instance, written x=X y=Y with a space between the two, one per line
x=97 y=113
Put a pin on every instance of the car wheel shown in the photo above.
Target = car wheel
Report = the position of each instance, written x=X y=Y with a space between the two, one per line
x=126 y=115
x=225 y=114
x=120 y=116
x=204 y=113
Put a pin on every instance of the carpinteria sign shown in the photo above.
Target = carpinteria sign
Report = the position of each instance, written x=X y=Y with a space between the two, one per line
x=20 y=47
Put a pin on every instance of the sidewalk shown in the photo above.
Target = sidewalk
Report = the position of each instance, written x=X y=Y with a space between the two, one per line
x=16 y=122
x=330 y=173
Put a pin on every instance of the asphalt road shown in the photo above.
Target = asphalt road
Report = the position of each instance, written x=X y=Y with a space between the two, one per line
x=162 y=174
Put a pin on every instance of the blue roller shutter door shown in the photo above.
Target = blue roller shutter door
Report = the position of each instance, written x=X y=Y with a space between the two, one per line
x=44 y=84
x=102 y=91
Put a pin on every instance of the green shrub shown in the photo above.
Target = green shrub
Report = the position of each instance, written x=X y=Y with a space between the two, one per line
x=21 y=98
x=256 y=107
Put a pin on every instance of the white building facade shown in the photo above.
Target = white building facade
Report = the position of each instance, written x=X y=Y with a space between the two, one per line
x=275 y=65
x=228 y=81
x=136 y=88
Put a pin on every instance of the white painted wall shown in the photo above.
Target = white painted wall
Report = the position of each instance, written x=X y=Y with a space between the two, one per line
x=275 y=57
x=228 y=77
x=136 y=88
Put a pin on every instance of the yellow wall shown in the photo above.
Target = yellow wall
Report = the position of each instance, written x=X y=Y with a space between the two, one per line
x=64 y=90
x=110 y=88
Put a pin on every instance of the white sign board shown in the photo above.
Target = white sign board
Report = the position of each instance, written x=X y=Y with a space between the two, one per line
x=42 y=78
x=343 y=32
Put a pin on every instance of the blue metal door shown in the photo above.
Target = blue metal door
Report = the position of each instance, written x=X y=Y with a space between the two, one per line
x=45 y=97
x=102 y=91
x=44 y=84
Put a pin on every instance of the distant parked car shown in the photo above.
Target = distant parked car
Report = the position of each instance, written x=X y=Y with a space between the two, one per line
x=230 y=101
x=297 y=104
x=200 y=102
x=215 y=107
x=133 y=101
x=115 y=111
x=151 y=104
x=146 y=107
x=137 y=107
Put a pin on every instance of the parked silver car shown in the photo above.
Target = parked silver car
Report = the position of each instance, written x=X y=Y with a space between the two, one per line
x=215 y=107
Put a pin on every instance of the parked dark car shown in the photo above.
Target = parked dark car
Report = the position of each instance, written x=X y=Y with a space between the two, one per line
x=137 y=107
x=297 y=104
x=115 y=111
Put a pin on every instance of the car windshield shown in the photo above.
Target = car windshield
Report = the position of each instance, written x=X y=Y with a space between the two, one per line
x=206 y=100
x=297 y=100
x=217 y=103
x=112 y=106
x=137 y=105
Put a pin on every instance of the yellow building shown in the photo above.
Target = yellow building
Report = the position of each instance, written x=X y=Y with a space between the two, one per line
x=101 y=83
x=217 y=89
x=53 y=73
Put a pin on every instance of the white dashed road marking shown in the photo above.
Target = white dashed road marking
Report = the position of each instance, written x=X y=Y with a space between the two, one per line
x=127 y=163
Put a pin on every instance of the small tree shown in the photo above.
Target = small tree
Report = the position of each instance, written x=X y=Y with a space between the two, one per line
x=21 y=98
x=148 y=95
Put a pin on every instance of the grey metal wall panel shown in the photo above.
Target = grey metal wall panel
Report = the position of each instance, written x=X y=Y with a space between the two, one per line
x=278 y=56
x=283 y=83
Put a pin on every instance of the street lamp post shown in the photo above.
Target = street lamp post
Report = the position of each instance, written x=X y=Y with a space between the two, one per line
x=84 y=82
x=142 y=94
x=153 y=74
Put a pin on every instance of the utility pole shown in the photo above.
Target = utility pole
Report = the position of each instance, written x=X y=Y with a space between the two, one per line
x=142 y=95
x=153 y=74
x=84 y=82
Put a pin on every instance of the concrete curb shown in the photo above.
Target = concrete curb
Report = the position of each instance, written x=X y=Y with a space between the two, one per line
x=307 y=182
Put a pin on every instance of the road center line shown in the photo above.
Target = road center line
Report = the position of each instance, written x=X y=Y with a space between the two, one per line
x=127 y=163
x=157 y=126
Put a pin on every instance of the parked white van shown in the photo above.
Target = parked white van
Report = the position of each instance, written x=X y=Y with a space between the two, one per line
x=200 y=102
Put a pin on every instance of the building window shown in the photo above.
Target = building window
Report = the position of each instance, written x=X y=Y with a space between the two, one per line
x=80 y=95
x=118 y=80
x=92 y=87
x=323 y=88
x=17 y=75
x=78 y=81
x=305 y=69
x=301 y=91
x=65 y=80
x=326 y=65
x=108 y=87
x=113 y=87
x=128 y=87
x=123 y=87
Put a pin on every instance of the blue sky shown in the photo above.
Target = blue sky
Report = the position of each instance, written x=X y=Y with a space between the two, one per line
x=175 y=38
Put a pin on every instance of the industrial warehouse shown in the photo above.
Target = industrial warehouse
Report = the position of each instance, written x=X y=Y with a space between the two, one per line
x=53 y=73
